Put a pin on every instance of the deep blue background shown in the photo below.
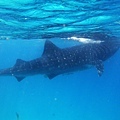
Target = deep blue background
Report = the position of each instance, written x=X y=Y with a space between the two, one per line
x=81 y=95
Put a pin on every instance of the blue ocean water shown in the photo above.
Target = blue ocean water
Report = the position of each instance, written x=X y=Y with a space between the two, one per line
x=24 y=27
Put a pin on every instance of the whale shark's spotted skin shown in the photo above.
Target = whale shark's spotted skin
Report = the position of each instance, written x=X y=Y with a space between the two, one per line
x=55 y=61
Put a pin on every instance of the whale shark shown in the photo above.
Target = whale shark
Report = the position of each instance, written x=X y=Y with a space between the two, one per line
x=55 y=61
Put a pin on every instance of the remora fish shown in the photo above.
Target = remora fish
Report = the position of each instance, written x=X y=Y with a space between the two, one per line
x=55 y=61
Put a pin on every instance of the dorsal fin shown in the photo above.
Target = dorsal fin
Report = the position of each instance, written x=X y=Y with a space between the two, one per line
x=19 y=62
x=50 y=48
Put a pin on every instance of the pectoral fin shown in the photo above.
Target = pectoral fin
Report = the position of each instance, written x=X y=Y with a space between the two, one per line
x=99 y=66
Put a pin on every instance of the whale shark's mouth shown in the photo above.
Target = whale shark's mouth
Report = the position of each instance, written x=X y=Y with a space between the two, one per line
x=85 y=40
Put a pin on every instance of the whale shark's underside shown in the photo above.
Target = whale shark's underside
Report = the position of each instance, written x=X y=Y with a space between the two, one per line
x=55 y=61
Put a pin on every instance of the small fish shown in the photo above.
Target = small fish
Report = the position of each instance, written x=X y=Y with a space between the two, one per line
x=17 y=115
